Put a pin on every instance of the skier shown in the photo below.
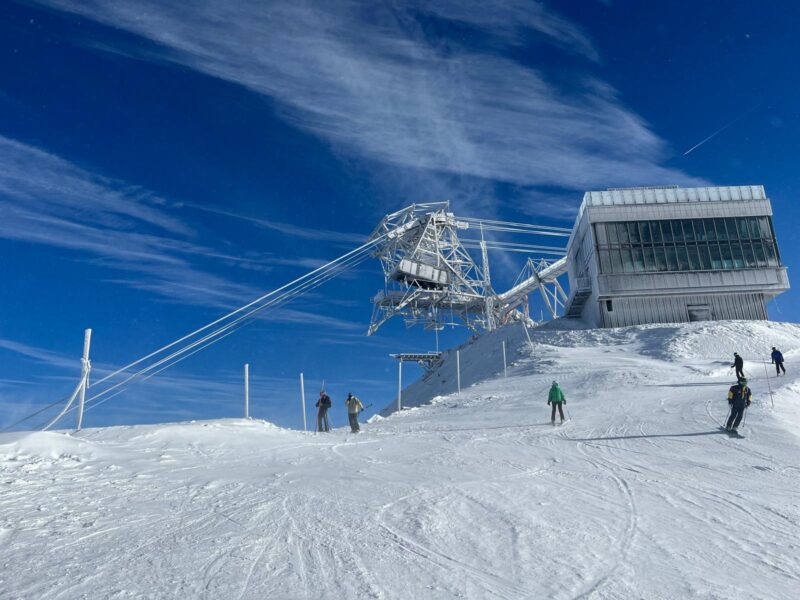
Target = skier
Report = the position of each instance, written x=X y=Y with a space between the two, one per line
x=739 y=364
x=777 y=360
x=739 y=397
x=354 y=407
x=556 y=398
x=323 y=404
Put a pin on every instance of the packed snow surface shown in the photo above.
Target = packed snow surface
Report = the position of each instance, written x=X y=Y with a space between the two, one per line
x=470 y=495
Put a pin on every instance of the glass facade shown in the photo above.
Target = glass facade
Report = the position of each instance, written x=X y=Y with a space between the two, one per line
x=686 y=245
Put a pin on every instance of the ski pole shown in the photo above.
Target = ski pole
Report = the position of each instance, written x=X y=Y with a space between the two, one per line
x=568 y=415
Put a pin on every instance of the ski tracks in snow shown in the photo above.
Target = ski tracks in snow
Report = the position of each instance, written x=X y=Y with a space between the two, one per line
x=626 y=538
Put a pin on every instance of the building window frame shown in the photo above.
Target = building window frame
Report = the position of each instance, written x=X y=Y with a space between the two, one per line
x=680 y=245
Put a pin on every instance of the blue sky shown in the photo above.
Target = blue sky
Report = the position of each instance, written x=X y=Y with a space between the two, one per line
x=163 y=162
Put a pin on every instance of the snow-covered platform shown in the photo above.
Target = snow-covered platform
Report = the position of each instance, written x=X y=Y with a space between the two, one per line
x=471 y=495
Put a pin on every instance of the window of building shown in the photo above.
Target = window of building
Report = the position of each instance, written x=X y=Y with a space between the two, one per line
x=722 y=234
x=686 y=245
x=633 y=233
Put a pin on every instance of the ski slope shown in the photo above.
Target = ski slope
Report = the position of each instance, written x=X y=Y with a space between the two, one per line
x=471 y=495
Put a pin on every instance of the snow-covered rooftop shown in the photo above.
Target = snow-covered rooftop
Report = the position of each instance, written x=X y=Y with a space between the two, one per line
x=673 y=194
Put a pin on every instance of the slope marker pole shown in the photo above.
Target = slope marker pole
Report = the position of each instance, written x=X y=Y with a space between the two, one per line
x=505 y=367
x=303 y=401
x=87 y=341
x=399 y=385
x=769 y=385
x=458 y=370
x=246 y=391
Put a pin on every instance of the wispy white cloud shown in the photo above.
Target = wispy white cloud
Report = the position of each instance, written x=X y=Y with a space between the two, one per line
x=289 y=229
x=46 y=186
x=47 y=200
x=559 y=205
x=40 y=355
x=374 y=82
x=314 y=319
x=136 y=235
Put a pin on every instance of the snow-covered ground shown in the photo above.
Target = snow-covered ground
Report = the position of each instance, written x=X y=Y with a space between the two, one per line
x=473 y=495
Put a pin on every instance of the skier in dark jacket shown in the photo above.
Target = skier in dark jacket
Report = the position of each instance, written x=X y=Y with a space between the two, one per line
x=323 y=404
x=739 y=397
x=739 y=364
x=777 y=360
x=556 y=398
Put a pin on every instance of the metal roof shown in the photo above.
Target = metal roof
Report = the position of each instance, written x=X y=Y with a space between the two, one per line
x=673 y=194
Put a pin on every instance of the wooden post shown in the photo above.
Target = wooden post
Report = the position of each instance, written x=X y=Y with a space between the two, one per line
x=87 y=341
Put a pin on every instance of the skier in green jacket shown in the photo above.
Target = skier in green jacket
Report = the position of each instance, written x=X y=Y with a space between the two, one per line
x=556 y=398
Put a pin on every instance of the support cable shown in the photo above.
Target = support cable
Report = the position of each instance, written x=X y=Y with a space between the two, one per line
x=217 y=334
x=522 y=231
x=307 y=276
x=164 y=368
x=487 y=222
x=38 y=412
x=498 y=245
x=66 y=407
x=274 y=298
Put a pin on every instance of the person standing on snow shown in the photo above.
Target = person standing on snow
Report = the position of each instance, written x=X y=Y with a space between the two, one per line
x=739 y=364
x=354 y=407
x=777 y=360
x=556 y=398
x=323 y=404
x=739 y=397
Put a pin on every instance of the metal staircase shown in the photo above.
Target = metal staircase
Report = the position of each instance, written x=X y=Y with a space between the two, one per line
x=577 y=300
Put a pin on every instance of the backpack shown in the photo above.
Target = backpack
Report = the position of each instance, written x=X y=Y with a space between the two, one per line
x=739 y=393
x=325 y=401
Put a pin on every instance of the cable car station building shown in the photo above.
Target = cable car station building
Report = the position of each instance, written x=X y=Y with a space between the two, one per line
x=672 y=254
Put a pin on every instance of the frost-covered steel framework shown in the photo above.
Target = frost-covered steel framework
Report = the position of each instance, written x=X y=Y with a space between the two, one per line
x=430 y=277
x=432 y=280
x=671 y=254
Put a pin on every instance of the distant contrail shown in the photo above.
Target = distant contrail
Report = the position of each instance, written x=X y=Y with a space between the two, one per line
x=720 y=130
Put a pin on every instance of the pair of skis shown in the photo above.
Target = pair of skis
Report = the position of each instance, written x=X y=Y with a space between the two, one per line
x=731 y=433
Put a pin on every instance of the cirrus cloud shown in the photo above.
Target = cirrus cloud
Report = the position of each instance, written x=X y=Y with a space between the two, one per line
x=374 y=82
